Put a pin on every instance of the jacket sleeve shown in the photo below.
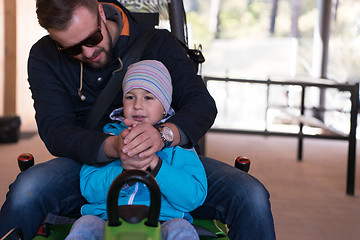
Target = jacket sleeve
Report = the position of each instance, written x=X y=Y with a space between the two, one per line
x=95 y=181
x=195 y=108
x=94 y=186
x=182 y=178
x=59 y=115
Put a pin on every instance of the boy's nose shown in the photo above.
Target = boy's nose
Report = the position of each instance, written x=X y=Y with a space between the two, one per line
x=138 y=104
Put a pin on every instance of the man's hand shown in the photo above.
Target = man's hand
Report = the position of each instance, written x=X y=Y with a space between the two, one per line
x=113 y=149
x=137 y=145
x=141 y=139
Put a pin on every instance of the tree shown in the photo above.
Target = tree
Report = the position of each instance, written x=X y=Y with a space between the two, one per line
x=274 y=7
x=214 y=21
x=295 y=14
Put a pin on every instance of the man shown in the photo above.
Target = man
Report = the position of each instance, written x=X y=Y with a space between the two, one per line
x=67 y=72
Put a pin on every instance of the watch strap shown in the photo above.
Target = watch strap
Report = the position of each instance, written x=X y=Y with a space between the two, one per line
x=165 y=141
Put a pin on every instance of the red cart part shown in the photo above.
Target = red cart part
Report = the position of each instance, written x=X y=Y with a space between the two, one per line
x=25 y=160
x=242 y=163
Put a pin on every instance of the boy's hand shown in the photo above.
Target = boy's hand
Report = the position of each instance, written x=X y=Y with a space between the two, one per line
x=135 y=162
x=154 y=161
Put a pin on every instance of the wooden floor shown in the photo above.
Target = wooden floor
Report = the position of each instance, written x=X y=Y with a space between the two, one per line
x=308 y=198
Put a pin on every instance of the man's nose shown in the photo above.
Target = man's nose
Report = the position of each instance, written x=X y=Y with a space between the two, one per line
x=88 y=51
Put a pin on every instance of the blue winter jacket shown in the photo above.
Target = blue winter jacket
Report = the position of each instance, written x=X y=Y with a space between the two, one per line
x=181 y=178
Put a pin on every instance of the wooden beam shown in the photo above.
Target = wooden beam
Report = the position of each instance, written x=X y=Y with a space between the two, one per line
x=10 y=57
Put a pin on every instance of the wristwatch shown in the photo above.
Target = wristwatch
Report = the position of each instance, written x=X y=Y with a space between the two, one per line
x=167 y=135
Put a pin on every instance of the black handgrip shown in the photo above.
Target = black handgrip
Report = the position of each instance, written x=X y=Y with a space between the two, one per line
x=136 y=176
x=25 y=160
x=242 y=163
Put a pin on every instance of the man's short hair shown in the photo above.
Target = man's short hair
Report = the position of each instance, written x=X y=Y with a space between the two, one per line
x=57 y=14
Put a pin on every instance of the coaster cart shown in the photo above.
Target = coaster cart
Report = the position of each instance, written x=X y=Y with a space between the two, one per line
x=135 y=221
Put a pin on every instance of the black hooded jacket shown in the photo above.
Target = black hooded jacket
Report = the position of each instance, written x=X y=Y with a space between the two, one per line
x=54 y=80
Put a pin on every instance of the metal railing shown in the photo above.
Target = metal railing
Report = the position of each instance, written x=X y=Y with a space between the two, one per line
x=353 y=89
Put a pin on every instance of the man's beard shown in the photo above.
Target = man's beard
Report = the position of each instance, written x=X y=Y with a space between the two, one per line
x=108 y=54
x=106 y=61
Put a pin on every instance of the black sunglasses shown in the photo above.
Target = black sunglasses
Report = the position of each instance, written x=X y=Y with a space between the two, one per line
x=91 y=41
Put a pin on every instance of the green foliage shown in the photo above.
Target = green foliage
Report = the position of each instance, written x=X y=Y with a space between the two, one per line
x=240 y=20
x=237 y=19
x=344 y=61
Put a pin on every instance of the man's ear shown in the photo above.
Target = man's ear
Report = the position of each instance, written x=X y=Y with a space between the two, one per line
x=102 y=13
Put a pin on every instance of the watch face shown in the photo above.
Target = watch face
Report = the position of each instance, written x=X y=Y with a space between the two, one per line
x=168 y=134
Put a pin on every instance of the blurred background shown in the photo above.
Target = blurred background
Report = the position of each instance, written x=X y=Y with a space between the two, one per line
x=250 y=39
x=256 y=40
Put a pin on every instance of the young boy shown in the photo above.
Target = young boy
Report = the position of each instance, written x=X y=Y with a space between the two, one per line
x=147 y=92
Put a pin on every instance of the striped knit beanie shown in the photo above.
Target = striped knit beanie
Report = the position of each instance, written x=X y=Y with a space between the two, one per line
x=150 y=75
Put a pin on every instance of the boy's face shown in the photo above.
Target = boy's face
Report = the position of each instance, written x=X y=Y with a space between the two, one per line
x=142 y=106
